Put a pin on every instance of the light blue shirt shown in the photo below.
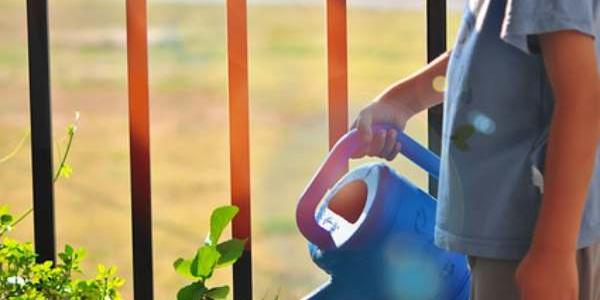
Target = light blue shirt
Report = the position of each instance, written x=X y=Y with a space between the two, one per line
x=498 y=109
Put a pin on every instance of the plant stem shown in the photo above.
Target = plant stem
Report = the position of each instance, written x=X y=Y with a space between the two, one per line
x=21 y=217
x=56 y=176
x=64 y=157
x=17 y=148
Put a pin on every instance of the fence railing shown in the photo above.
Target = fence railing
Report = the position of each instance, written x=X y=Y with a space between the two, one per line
x=139 y=134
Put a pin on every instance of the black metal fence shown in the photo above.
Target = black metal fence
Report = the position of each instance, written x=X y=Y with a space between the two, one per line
x=41 y=120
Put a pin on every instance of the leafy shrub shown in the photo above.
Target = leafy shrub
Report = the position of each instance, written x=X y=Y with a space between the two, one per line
x=21 y=278
x=210 y=256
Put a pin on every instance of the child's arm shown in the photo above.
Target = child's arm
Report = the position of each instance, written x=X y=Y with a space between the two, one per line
x=396 y=104
x=417 y=92
x=549 y=269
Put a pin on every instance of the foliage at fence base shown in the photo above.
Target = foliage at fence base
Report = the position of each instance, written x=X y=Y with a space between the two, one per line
x=21 y=278
x=210 y=256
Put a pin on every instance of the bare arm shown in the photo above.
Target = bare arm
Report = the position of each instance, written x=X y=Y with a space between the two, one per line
x=417 y=91
x=549 y=269
x=572 y=68
x=396 y=105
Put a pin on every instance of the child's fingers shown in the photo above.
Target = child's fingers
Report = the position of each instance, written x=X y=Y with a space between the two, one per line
x=363 y=125
x=394 y=153
x=390 y=142
x=377 y=143
x=365 y=134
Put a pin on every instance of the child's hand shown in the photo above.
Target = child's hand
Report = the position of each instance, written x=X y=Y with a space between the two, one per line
x=395 y=106
x=548 y=276
x=381 y=143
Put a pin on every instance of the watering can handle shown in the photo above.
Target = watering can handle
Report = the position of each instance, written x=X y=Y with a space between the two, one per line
x=331 y=170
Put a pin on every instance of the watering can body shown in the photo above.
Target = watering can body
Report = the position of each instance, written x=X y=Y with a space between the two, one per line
x=387 y=252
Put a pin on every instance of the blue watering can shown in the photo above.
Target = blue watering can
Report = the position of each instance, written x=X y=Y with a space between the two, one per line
x=372 y=230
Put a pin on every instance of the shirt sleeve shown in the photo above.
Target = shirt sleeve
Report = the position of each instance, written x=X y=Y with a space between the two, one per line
x=525 y=19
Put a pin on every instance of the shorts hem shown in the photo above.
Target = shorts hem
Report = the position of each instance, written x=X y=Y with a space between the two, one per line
x=501 y=249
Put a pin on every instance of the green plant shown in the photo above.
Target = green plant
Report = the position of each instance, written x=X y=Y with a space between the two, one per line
x=210 y=256
x=22 y=278
x=64 y=169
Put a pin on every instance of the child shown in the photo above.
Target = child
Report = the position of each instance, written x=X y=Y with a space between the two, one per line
x=519 y=189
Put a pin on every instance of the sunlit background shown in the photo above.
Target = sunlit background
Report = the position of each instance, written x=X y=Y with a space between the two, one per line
x=190 y=170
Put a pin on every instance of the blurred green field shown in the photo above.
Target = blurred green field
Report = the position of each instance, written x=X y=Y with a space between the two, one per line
x=189 y=124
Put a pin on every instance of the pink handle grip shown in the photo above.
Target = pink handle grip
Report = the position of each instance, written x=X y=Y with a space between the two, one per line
x=332 y=169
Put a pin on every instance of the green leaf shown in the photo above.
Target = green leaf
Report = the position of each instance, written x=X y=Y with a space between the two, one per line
x=230 y=252
x=71 y=129
x=101 y=269
x=80 y=253
x=65 y=171
x=461 y=136
x=462 y=146
x=68 y=249
x=6 y=219
x=194 y=291
x=205 y=261
x=3 y=209
x=184 y=267
x=220 y=292
x=219 y=220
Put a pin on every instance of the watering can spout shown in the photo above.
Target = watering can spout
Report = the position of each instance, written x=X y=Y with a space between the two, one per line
x=332 y=169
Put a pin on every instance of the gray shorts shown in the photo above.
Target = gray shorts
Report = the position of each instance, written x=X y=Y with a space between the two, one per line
x=493 y=279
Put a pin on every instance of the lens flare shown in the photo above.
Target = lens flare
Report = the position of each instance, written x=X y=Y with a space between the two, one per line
x=482 y=123
x=439 y=84
x=409 y=273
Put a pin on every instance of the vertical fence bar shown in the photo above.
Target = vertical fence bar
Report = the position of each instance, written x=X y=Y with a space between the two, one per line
x=41 y=129
x=337 y=69
x=139 y=148
x=436 y=45
x=239 y=141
